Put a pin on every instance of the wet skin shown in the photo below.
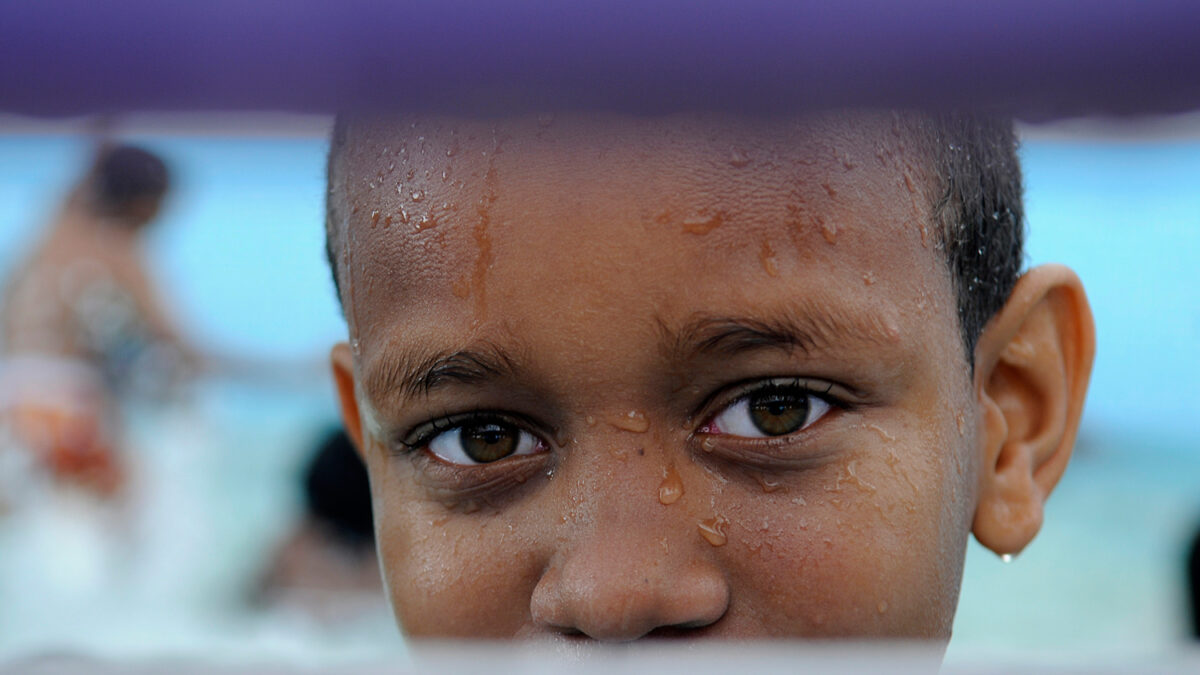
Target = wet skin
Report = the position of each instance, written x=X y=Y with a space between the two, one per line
x=624 y=304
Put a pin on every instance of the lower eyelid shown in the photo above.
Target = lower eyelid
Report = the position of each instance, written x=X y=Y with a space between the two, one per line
x=452 y=483
x=795 y=451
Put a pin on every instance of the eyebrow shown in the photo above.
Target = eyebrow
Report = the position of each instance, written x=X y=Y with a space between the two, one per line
x=807 y=331
x=413 y=375
x=409 y=374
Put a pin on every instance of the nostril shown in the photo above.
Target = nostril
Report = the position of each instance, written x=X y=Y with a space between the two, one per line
x=691 y=630
x=607 y=603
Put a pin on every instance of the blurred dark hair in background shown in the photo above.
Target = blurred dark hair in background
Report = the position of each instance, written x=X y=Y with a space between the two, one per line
x=337 y=493
x=126 y=175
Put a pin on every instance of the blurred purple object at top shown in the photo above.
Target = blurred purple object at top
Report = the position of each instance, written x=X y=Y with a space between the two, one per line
x=1036 y=59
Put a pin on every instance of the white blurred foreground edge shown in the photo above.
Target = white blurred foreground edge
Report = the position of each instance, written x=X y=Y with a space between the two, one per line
x=693 y=658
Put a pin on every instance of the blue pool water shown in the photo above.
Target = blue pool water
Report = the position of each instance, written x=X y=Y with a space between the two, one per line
x=240 y=251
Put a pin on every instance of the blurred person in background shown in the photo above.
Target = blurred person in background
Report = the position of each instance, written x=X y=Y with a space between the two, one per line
x=83 y=326
x=327 y=567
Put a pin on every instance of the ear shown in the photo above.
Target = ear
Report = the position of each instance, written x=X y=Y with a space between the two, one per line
x=1032 y=366
x=342 y=361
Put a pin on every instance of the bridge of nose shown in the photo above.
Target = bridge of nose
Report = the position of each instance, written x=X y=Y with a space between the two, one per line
x=627 y=559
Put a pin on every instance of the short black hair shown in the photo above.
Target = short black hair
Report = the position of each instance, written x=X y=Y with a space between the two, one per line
x=976 y=206
x=123 y=174
x=978 y=212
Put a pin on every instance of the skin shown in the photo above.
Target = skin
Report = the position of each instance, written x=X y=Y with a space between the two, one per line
x=627 y=282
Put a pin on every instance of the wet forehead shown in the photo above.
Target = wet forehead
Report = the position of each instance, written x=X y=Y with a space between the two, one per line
x=713 y=162
x=441 y=213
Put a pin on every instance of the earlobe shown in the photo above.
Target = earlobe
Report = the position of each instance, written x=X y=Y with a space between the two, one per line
x=1032 y=366
x=342 y=362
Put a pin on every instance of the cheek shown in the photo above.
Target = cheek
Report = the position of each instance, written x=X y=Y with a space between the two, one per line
x=450 y=573
x=862 y=549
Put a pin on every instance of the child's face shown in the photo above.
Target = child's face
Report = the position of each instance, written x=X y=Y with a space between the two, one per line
x=716 y=363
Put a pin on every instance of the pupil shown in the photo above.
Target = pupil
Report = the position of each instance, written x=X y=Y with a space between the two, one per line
x=489 y=442
x=778 y=413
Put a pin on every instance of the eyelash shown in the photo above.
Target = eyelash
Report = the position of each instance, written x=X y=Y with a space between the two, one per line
x=424 y=436
x=816 y=398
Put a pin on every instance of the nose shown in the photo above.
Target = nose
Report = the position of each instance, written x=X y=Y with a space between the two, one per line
x=616 y=587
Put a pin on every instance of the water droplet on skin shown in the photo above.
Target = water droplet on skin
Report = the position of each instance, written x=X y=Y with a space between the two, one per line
x=631 y=421
x=427 y=222
x=869 y=278
x=591 y=421
x=882 y=607
x=374 y=219
x=852 y=476
x=892 y=331
x=1006 y=558
x=483 y=242
x=924 y=236
x=387 y=222
x=417 y=196
x=767 y=256
x=561 y=438
x=713 y=530
x=962 y=424
x=671 y=488
x=445 y=176
x=738 y=158
x=372 y=185
x=828 y=230
x=703 y=224
x=799 y=501
x=708 y=444
x=766 y=484
x=882 y=432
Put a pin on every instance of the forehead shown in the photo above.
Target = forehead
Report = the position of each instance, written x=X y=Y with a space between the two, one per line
x=452 y=225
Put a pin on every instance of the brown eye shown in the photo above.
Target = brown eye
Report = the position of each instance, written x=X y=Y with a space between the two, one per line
x=769 y=412
x=481 y=442
x=489 y=442
x=777 y=413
